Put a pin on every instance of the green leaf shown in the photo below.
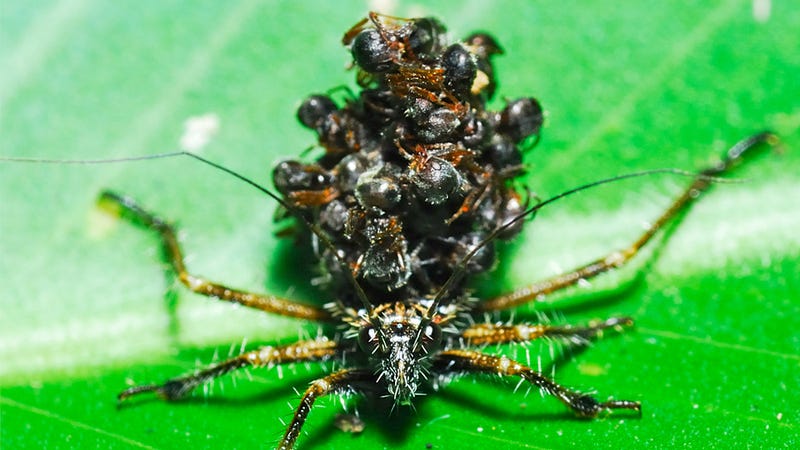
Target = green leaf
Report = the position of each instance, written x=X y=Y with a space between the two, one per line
x=87 y=308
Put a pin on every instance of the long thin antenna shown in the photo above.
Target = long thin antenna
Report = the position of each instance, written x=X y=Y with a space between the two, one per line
x=460 y=269
x=730 y=158
x=293 y=210
x=96 y=161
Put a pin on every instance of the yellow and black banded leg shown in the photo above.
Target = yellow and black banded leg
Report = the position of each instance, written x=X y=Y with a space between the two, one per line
x=129 y=209
x=341 y=382
x=303 y=351
x=466 y=361
x=485 y=334
x=616 y=259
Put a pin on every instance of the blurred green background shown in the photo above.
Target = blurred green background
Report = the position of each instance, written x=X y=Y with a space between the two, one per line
x=86 y=308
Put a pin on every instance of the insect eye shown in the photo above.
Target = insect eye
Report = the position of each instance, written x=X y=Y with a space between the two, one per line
x=368 y=339
x=431 y=336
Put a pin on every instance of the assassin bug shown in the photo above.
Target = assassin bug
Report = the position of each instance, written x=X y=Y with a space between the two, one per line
x=407 y=339
x=401 y=346
x=413 y=189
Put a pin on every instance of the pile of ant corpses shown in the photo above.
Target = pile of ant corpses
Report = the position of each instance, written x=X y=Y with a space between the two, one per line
x=416 y=171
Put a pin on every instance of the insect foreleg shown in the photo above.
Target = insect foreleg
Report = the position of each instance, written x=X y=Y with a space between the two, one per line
x=304 y=351
x=454 y=362
x=485 y=334
x=343 y=381
x=130 y=210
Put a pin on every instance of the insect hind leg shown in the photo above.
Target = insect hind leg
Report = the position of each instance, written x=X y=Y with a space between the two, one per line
x=703 y=181
x=130 y=210
x=177 y=388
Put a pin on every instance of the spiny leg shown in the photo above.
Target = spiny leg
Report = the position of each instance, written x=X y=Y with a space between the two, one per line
x=343 y=381
x=619 y=258
x=176 y=388
x=466 y=361
x=130 y=210
x=485 y=334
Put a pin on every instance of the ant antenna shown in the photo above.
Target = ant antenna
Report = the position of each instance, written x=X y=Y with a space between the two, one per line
x=312 y=226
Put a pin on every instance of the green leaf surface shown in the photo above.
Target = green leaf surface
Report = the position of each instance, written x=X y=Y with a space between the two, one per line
x=87 y=308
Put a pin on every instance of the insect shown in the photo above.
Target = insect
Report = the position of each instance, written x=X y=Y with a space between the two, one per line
x=400 y=292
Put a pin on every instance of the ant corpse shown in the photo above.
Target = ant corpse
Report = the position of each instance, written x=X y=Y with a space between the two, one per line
x=417 y=182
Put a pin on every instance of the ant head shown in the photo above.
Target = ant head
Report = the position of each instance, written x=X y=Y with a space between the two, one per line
x=521 y=118
x=389 y=41
x=460 y=69
x=373 y=53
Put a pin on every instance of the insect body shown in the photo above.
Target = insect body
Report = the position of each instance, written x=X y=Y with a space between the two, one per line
x=416 y=183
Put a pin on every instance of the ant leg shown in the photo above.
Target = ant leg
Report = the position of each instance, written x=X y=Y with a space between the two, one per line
x=313 y=198
x=176 y=388
x=474 y=197
x=130 y=210
x=619 y=258
x=485 y=334
x=465 y=361
x=341 y=382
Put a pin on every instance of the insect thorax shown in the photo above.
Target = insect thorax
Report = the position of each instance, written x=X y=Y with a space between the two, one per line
x=398 y=339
